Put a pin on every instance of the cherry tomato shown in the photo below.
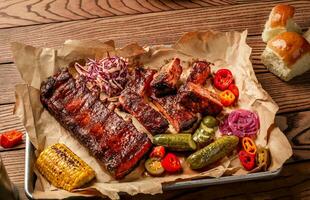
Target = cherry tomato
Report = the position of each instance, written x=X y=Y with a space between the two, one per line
x=234 y=89
x=222 y=79
x=158 y=152
x=227 y=98
x=171 y=163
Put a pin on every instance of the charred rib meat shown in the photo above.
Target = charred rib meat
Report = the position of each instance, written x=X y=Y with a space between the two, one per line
x=179 y=117
x=108 y=137
x=200 y=72
x=165 y=81
x=199 y=99
x=141 y=80
x=151 y=119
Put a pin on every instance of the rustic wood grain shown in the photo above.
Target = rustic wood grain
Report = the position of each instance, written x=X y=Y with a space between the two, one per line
x=10 y=122
x=290 y=96
x=20 y=13
x=152 y=28
x=292 y=183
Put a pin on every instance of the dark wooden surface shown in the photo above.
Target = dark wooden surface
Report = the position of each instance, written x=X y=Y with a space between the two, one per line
x=50 y=22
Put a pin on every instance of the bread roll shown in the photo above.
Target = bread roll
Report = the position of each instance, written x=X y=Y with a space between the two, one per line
x=307 y=35
x=287 y=55
x=280 y=20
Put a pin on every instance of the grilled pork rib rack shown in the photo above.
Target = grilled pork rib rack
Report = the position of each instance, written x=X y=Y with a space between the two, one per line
x=111 y=139
x=108 y=137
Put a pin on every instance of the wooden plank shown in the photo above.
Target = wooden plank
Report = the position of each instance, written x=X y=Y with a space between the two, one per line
x=10 y=122
x=292 y=183
x=30 y=12
x=291 y=96
x=153 y=28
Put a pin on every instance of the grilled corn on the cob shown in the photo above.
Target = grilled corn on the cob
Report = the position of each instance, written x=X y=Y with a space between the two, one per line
x=59 y=165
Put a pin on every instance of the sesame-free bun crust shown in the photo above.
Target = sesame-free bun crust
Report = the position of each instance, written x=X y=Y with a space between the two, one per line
x=280 y=14
x=290 y=46
x=280 y=20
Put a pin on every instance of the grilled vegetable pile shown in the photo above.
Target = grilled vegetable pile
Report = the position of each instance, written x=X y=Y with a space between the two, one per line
x=60 y=166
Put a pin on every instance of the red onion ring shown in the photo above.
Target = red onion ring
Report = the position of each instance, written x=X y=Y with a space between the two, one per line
x=240 y=123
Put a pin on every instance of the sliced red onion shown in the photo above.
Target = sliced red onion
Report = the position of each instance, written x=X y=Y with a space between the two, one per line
x=109 y=75
x=240 y=123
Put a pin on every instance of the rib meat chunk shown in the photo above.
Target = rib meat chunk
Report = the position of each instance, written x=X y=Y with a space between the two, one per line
x=151 y=119
x=112 y=140
x=165 y=81
x=179 y=117
x=141 y=80
x=200 y=72
x=199 y=99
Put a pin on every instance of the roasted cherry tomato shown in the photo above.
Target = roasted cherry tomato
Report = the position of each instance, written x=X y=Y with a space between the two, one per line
x=11 y=138
x=227 y=98
x=222 y=79
x=158 y=152
x=234 y=89
x=247 y=160
x=249 y=145
x=154 y=166
x=171 y=163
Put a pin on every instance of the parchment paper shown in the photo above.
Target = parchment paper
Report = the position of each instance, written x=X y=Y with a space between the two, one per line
x=227 y=50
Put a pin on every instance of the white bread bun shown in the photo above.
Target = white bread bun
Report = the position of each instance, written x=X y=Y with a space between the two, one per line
x=307 y=35
x=287 y=55
x=280 y=20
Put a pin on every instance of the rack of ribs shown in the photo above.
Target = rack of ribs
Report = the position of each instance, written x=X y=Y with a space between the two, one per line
x=112 y=140
x=165 y=81
x=178 y=116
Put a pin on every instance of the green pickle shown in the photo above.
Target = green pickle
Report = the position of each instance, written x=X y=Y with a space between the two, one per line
x=206 y=131
x=210 y=121
x=213 y=152
x=175 y=142
x=203 y=135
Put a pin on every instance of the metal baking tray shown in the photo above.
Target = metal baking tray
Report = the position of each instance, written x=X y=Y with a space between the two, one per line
x=30 y=177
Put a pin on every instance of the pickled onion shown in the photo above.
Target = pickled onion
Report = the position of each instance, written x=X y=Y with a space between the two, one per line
x=240 y=123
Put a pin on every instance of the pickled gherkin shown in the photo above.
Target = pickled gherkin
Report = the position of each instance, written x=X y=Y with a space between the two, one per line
x=213 y=152
x=175 y=142
x=206 y=131
x=210 y=121
x=203 y=135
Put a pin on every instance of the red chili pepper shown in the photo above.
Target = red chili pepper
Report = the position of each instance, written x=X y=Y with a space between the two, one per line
x=247 y=160
x=11 y=138
x=158 y=152
x=171 y=163
x=227 y=98
x=234 y=89
x=222 y=79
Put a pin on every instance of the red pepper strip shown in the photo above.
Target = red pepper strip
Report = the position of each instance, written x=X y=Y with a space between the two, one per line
x=11 y=138
x=249 y=145
x=222 y=79
x=227 y=98
x=247 y=160
x=158 y=152
x=234 y=89
x=171 y=163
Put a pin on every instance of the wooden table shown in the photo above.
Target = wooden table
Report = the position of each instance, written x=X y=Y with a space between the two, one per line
x=48 y=23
